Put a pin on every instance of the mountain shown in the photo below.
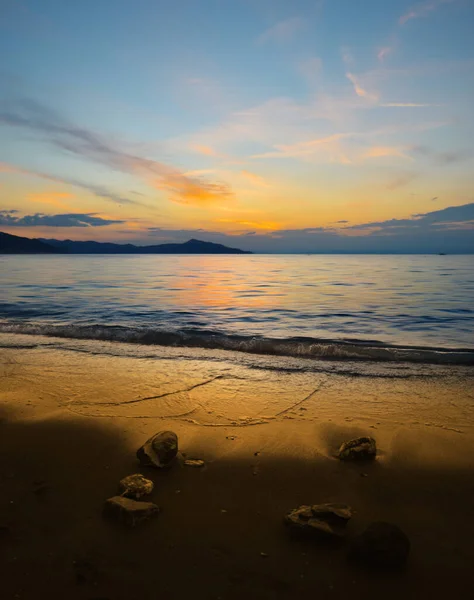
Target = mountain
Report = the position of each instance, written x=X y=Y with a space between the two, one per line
x=13 y=244
x=26 y=246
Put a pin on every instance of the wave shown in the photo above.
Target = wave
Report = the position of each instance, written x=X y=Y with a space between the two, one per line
x=304 y=347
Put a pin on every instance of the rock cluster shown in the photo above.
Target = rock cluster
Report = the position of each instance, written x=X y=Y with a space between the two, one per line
x=159 y=452
x=382 y=545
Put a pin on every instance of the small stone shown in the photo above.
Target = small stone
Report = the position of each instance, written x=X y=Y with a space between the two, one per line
x=230 y=437
x=330 y=520
x=129 y=512
x=135 y=486
x=194 y=462
x=362 y=448
x=381 y=545
x=159 y=451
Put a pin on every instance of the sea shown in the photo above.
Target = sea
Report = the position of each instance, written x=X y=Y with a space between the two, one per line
x=415 y=308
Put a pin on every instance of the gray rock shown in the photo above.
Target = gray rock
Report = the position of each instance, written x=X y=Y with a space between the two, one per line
x=362 y=448
x=129 y=512
x=159 y=451
x=194 y=462
x=381 y=545
x=328 y=520
x=135 y=486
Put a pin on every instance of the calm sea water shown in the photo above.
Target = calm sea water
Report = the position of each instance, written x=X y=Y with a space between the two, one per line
x=400 y=300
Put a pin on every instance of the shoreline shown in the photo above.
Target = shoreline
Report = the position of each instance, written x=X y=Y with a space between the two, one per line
x=297 y=347
x=71 y=423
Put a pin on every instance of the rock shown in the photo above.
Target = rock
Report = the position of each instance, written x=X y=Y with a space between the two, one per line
x=159 y=451
x=329 y=520
x=135 y=486
x=194 y=462
x=381 y=545
x=362 y=448
x=129 y=512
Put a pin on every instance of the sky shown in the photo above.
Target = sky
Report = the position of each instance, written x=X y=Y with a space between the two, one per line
x=275 y=126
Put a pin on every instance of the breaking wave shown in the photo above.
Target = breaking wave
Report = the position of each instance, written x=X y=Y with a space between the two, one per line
x=304 y=347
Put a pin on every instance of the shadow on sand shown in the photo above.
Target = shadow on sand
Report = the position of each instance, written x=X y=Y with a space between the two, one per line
x=221 y=533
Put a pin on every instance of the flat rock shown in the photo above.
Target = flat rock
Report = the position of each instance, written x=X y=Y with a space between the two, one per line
x=381 y=545
x=135 y=486
x=329 y=520
x=361 y=448
x=129 y=512
x=194 y=462
x=159 y=451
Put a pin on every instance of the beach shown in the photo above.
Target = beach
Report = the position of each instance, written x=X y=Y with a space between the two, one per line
x=74 y=413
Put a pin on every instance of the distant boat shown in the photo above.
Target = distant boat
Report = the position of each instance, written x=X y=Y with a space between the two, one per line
x=442 y=254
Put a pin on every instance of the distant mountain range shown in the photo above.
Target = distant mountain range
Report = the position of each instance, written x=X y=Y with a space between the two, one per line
x=12 y=244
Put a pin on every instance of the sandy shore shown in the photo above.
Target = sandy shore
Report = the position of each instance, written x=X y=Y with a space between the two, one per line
x=71 y=421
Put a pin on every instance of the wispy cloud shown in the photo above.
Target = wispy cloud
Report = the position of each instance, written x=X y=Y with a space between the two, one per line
x=9 y=219
x=206 y=150
x=384 y=52
x=422 y=10
x=444 y=158
x=386 y=151
x=97 y=190
x=52 y=198
x=88 y=145
x=405 y=105
x=254 y=178
x=302 y=148
x=360 y=90
x=283 y=31
x=401 y=180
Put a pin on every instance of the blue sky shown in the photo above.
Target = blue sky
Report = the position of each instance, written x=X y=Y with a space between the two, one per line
x=235 y=118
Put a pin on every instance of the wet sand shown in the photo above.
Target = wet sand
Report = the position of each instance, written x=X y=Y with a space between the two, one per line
x=71 y=421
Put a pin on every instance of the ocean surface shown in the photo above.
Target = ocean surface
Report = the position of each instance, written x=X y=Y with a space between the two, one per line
x=416 y=308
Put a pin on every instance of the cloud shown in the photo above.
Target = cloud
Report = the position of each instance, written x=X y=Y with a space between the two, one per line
x=52 y=198
x=444 y=158
x=283 y=31
x=63 y=220
x=384 y=52
x=359 y=90
x=206 y=150
x=254 y=178
x=385 y=151
x=447 y=218
x=405 y=105
x=97 y=190
x=302 y=148
x=422 y=10
x=448 y=230
x=86 y=144
x=402 y=180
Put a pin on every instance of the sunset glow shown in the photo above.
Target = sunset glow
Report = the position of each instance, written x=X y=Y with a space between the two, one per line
x=261 y=118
